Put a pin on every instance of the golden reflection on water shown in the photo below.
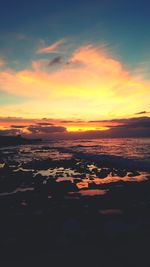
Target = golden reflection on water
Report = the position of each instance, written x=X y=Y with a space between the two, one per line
x=111 y=179
x=83 y=184
x=90 y=192
x=93 y=192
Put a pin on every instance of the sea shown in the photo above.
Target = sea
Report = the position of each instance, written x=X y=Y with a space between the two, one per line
x=127 y=149
x=131 y=148
x=82 y=162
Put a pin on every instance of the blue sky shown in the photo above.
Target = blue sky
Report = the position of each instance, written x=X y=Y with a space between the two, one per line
x=124 y=25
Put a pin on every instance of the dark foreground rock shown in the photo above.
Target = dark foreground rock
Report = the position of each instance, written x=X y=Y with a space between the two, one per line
x=73 y=212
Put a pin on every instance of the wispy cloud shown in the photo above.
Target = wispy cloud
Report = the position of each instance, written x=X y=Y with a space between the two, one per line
x=142 y=112
x=51 y=48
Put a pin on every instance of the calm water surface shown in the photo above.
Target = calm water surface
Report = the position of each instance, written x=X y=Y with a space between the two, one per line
x=129 y=148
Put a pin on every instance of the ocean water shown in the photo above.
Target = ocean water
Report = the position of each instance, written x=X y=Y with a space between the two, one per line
x=88 y=164
x=129 y=148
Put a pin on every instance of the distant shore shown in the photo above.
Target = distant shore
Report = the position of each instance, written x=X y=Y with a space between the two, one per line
x=16 y=140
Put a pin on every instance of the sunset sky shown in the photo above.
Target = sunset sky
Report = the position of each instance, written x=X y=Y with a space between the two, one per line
x=75 y=68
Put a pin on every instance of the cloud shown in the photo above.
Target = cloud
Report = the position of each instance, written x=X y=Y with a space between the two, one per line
x=124 y=122
x=74 y=62
x=137 y=129
x=46 y=129
x=121 y=128
x=132 y=127
x=55 y=61
x=98 y=87
x=141 y=113
x=44 y=123
x=18 y=126
x=10 y=132
x=142 y=122
x=51 y=48
x=10 y=120
x=71 y=121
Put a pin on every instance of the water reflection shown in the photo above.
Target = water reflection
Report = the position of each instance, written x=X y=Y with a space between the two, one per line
x=49 y=161
x=91 y=192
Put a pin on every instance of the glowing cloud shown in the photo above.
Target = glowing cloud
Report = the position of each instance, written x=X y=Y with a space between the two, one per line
x=93 y=85
x=51 y=48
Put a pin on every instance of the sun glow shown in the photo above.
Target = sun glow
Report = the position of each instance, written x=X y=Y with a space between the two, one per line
x=76 y=128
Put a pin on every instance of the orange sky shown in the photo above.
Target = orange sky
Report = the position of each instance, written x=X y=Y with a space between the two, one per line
x=89 y=85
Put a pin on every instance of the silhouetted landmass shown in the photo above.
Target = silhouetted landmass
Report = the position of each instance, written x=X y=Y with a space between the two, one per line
x=16 y=140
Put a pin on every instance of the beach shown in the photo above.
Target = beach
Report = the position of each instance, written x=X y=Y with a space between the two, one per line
x=61 y=199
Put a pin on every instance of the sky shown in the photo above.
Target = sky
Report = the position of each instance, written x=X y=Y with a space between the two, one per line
x=75 y=68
